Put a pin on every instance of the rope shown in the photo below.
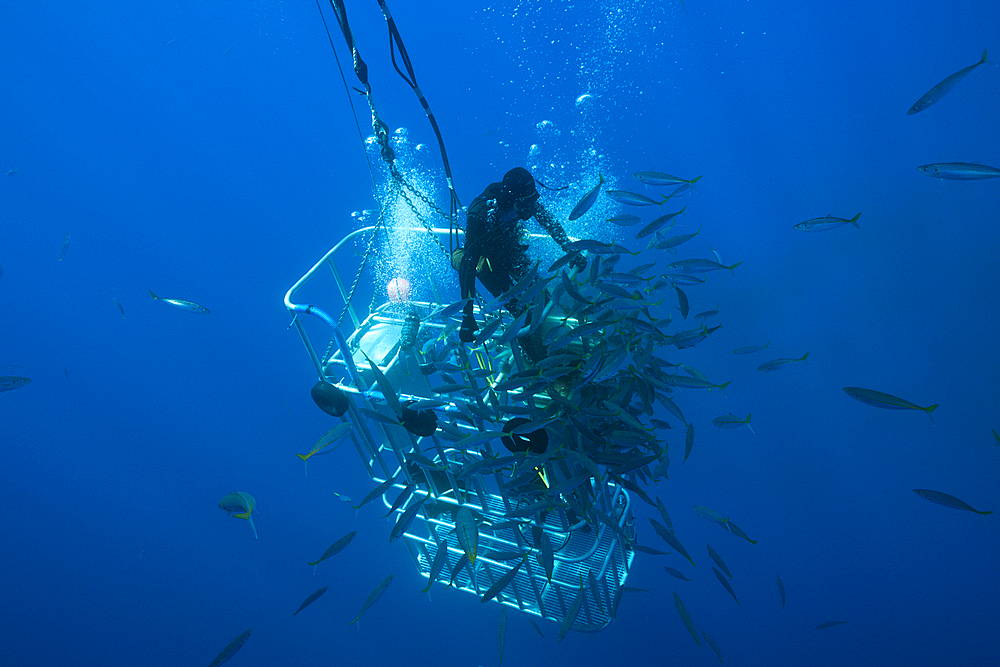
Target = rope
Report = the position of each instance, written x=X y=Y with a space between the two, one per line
x=400 y=186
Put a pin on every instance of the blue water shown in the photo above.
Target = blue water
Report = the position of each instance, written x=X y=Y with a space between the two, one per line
x=207 y=151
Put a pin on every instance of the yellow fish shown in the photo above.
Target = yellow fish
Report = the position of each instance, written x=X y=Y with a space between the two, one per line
x=241 y=502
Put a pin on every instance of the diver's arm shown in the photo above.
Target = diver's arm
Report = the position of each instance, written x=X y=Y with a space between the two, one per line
x=467 y=284
x=558 y=234
x=471 y=256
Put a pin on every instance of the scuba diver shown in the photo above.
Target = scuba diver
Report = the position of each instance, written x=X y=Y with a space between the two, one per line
x=493 y=250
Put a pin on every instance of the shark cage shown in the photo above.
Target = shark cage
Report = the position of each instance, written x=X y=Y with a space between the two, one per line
x=538 y=528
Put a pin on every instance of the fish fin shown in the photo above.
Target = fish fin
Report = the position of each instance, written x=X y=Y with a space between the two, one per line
x=929 y=409
x=252 y=527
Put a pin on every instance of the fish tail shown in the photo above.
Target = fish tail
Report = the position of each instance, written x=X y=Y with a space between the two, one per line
x=722 y=387
x=731 y=268
x=153 y=295
x=252 y=527
x=929 y=409
x=854 y=220
x=807 y=354
x=984 y=60
x=983 y=511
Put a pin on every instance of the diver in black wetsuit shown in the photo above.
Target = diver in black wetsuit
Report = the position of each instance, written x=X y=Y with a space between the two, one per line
x=493 y=250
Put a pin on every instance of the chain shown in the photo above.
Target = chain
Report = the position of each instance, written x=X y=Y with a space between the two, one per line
x=361 y=268
x=406 y=187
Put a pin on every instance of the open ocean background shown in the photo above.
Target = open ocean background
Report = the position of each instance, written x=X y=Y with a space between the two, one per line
x=206 y=151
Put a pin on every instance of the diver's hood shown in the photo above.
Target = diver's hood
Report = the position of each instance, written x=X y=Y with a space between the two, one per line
x=517 y=183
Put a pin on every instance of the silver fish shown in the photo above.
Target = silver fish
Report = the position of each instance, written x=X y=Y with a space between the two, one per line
x=65 y=248
x=405 y=519
x=312 y=598
x=698 y=266
x=657 y=223
x=940 y=90
x=715 y=647
x=373 y=597
x=685 y=617
x=11 y=382
x=335 y=548
x=948 y=501
x=887 y=401
x=502 y=582
x=960 y=171
x=670 y=539
x=502 y=632
x=714 y=555
x=440 y=558
x=658 y=178
x=587 y=200
x=725 y=584
x=624 y=220
x=827 y=223
x=231 y=650
x=829 y=624
x=181 y=304
x=775 y=364
x=732 y=421
x=572 y=613
x=467 y=532
x=634 y=199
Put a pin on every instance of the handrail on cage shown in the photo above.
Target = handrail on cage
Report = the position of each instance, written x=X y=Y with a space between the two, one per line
x=298 y=308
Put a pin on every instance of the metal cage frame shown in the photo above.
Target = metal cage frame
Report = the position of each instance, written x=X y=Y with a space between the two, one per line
x=590 y=561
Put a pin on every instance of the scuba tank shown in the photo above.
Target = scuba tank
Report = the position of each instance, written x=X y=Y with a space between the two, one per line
x=408 y=334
